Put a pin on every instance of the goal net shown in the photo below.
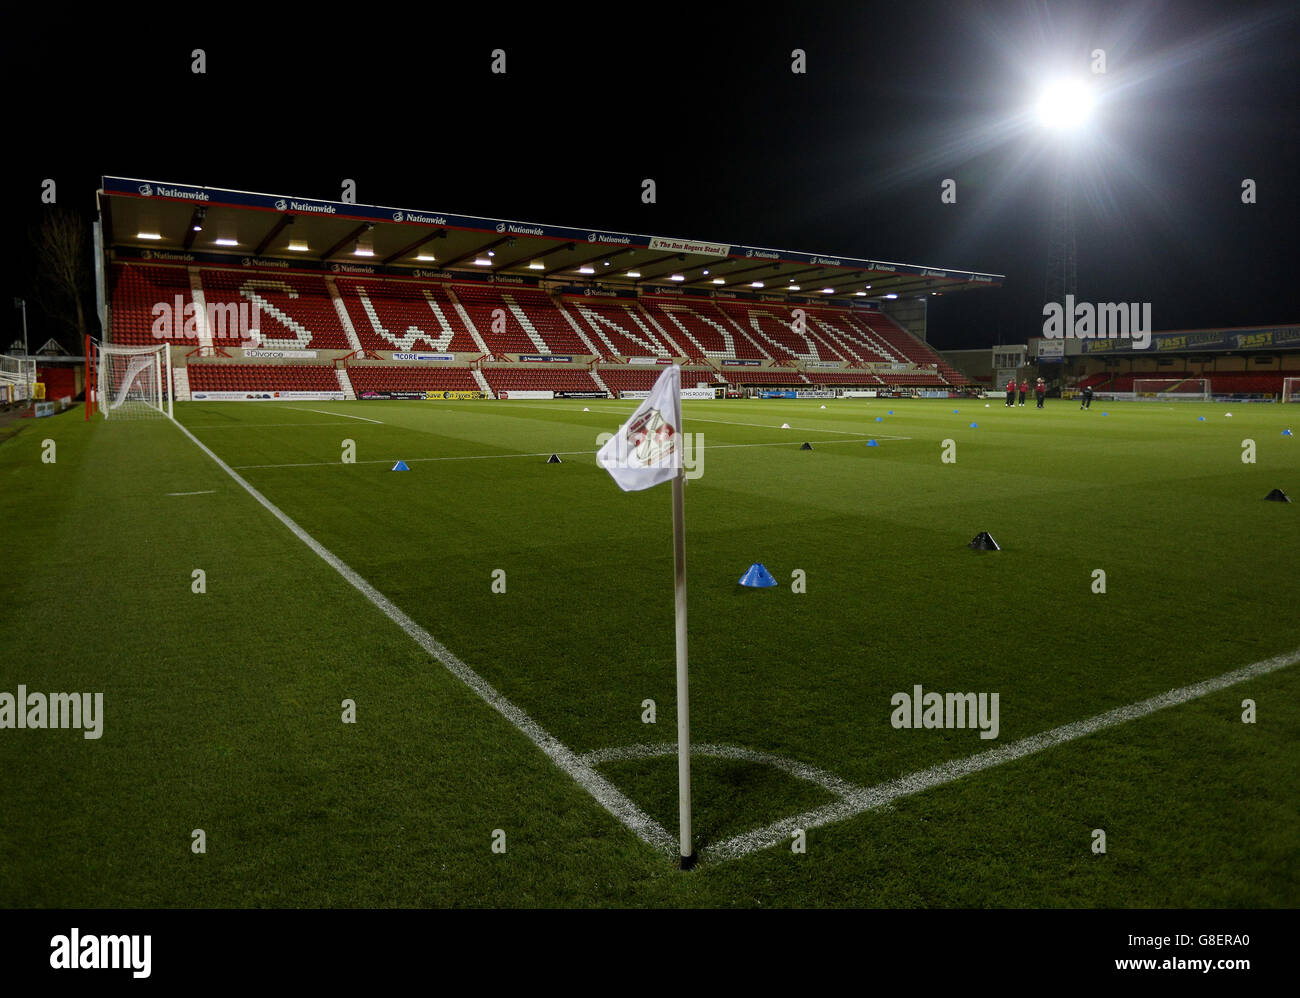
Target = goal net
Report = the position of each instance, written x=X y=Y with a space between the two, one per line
x=1291 y=389
x=133 y=382
x=1171 y=389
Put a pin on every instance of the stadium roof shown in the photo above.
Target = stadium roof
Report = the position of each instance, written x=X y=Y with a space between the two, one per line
x=161 y=219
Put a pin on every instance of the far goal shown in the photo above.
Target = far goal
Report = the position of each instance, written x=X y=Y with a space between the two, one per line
x=1291 y=389
x=1171 y=389
x=132 y=382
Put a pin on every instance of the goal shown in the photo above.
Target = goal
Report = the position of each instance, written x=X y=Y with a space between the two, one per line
x=1291 y=389
x=1171 y=389
x=132 y=382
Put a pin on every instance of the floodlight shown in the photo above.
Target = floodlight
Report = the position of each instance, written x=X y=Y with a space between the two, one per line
x=1065 y=104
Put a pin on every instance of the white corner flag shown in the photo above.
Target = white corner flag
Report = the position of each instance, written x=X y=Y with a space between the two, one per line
x=646 y=451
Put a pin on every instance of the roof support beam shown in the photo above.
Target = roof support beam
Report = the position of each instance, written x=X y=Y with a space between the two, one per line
x=412 y=247
x=285 y=220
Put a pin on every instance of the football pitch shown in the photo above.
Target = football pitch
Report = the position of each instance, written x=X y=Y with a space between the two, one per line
x=503 y=627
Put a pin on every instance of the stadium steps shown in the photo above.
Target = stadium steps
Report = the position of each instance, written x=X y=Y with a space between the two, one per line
x=469 y=323
x=582 y=335
x=663 y=333
x=526 y=324
x=744 y=334
x=834 y=339
x=595 y=376
x=200 y=308
x=181 y=383
x=349 y=330
x=604 y=319
x=345 y=384
x=876 y=342
x=482 y=382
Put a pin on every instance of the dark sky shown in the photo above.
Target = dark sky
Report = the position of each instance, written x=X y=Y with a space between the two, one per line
x=845 y=159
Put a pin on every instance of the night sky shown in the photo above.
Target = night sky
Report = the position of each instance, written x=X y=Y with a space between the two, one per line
x=846 y=159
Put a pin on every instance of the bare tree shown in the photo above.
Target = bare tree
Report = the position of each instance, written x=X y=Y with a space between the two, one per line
x=64 y=272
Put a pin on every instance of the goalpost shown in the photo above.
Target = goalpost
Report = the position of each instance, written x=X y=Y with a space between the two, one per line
x=132 y=382
x=1291 y=389
x=1171 y=389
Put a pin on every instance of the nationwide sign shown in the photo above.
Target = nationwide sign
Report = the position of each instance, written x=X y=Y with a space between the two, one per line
x=216 y=196
x=545 y=358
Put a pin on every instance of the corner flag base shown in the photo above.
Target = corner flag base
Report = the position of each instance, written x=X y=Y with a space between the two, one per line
x=400 y=466
x=554 y=459
x=984 y=542
x=685 y=863
x=1277 y=495
x=757 y=577
x=805 y=446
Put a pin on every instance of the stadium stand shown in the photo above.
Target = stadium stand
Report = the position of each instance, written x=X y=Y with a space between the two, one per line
x=539 y=379
x=760 y=376
x=388 y=378
x=701 y=329
x=847 y=376
x=617 y=329
x=295 y=311
x=216 y=377
x=532 y=323
x=136 y=288
x=404 y=315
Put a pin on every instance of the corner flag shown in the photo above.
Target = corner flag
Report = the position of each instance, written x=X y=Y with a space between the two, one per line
x=646 y=451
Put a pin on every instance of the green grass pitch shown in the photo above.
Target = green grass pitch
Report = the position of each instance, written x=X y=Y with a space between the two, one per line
x=223 y=709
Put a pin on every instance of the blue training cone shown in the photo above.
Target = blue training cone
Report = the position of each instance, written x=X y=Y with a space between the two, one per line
x=955 y=411
x=974 y=426
x=1200 y=419
x=758 y=577
x=1287 y=433
x=873 y=443
x=401 y=466
x=880 y=419
x=891 y=412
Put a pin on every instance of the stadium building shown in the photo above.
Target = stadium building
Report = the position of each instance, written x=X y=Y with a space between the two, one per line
x=262 y=296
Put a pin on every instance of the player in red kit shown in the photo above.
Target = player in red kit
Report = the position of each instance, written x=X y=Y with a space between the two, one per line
x=1011 y=393
x=1024 y=390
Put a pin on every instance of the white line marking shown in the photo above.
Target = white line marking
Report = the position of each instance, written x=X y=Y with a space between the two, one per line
x=206 y=492
x=859 y=801
x=769 y=426
x=326 y=412
x=545 y=453
x=605 y=793
x=257 y=426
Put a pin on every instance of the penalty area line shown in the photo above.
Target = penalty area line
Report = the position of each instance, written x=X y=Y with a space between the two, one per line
x=605 y=793
x=877 y=797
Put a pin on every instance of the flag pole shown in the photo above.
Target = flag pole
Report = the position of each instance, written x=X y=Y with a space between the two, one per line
x=683 y=681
